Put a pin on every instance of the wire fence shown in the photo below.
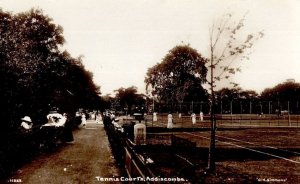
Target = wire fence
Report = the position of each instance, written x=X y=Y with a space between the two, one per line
x=224 y=120
x=230 y=107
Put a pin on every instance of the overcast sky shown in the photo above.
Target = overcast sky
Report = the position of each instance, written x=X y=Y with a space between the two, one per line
x=121 y=39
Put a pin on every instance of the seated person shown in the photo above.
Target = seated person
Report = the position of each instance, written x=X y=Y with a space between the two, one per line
x=62 y=120
x=26 y=123
x=52 y=131
x=55 y=119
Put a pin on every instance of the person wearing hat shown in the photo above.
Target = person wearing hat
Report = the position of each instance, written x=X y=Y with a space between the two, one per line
x=26 y=123
x=54 y=118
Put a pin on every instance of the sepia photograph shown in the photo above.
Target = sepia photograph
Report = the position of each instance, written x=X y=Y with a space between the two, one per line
x=150 y=91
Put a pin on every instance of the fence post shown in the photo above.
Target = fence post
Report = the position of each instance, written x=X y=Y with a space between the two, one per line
x=152 y=118
x=181 y=122
x=290 y=124
x=221 y=107
x=250 y=111
x=231 y=108
x=241 y=117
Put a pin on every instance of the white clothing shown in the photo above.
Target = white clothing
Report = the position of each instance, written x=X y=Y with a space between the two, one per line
x=154 y=116
x=170 y=121
x=26 y=125
x=61 y=121
x=201 y=116
x=99 y=118
x=194 y=118
x=55 y=119
x=83 y=120
x=112 y=116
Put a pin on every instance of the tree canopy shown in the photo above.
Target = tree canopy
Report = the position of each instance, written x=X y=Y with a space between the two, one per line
x=237 y=94
x=287 y=91
x=128 y=98
x=35 y=73
x=179 y=77
x=228 y=44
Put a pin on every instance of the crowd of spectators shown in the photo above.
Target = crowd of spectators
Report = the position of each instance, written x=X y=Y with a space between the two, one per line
x=30 y=137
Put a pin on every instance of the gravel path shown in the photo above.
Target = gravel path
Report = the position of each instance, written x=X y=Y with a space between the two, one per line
x=85 y=161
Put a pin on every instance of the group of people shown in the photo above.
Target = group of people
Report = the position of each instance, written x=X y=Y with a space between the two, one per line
x=170 y=121
x=56 y=124
x=54 y=119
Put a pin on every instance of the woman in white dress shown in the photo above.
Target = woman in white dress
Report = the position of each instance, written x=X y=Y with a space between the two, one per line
x=154 y=116
x=170 y=121
x=201 y=116
x=193 y=118
x=83 y=120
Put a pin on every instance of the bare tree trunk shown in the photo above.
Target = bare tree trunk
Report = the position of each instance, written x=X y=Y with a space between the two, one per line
x=222 y=59
x=211 y=154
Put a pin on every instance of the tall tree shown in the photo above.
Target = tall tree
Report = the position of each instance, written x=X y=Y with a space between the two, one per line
x=226 y=96
x=179 y=77
x=106 y=102
x=26 y=44
x=226 y=47
x=128 y=98
x=34 y=71
x=284 y=96
x=287 y=91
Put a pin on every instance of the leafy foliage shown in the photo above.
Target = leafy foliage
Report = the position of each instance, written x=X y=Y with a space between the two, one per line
x=227 y=46
x=287 y=91
x=237 y=94
x=179 y=77
x=128 y=98
x=35 y=73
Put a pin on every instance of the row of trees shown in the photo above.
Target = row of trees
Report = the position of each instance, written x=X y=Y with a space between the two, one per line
x=35 y=73
x=126 y=100
x=286 y=91
x=180 y=78
x=283 y=96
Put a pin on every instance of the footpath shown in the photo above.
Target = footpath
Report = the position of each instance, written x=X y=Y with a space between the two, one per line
x=89 y=160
